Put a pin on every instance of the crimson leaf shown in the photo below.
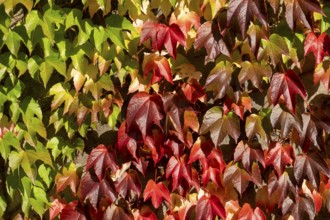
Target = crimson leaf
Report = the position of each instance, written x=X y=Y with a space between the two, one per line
x=157 y=192
x=159 y=66
x=279 y=155
x=289 y=85
x=247 y=213
x=178 y=169
x=100 y=159
x=319 y=46
x=209 y=208
x=128 y=183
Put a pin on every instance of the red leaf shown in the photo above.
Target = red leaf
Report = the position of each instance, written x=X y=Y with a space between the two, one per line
x=55 y=208
x=159 y=66
x=239 y=177
x=128 y=184
x=322 y=73
x=178 y=169
x=155 y=144
x=247 y=213
x=100 y=159
x=157 y=192
x=206 y=38
x=93 y=190
x=68 y=178
x=117 y=212
x=127 y=141
x=311 y=166
x=193 y=90
x=279 y=156
x=317 y=45
x=299 y=11
x=245 y=11
x=71 y=211
x=162 y=35
x=145 y=213
x=208 y=208
x=185 y=20
x=144 y=110
x=289 y=85
x=248 y=155
x=282 y=186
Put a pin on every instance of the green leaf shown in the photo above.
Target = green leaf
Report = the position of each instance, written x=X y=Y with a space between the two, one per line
x=274 y=48
x=13 y=42
x=45 y=173
x=3 y=205
x=73 y=18
x=32 y=20
x=114 y=116
x=7 y=140
x=45 y=72
x=57 y=64
x=61 y=94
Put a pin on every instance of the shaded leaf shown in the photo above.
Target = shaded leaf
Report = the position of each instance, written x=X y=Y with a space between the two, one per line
x=128 y=184
x=238 y=177
x=117 y=212
x=246 y=154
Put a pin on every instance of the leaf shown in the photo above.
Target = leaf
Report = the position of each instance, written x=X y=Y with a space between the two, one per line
x=55 y=209
x=245 y=11
x=283 y=186
x=301 y=206
x=254 y=72
x=207 y=36
x=310 y=165
x=73 y=211
x=279 y=156
x=177 y=169
x=185 y=20
x=162 y=35
x=289 y=85
x=238 y=177
x=144 y=110
x=220 y=125
x=322 y=73
x=61 y=95
x=159 y=66
x=299 y=10
x=193 y=90
x=68 y=177
x=247 y=213
x=274 y=48
x=319 y=46
x=13 y=42
x=93 y=190
x=209 y=208
x=246 y=154
x=253 y=126
x=128 y=184
x=127 y=141
x=116 y=212
x=219 y=79
x=101 y=159
x=157 y=192
x=286 y=120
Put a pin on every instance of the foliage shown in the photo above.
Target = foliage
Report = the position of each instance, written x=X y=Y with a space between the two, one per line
x=164 y=109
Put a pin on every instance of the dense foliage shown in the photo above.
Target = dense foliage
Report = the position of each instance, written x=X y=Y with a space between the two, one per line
x=164 y=109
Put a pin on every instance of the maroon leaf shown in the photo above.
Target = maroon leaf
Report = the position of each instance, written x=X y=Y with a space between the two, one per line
x=297 y=209
x=159 y=66
x=157 y=192
x=128 y=183
x=178 y=169
x=144 y=110
x=206 y=38
x=282 y=186
x=279 y=156
x=73 y=211
x=247 y=213
x=155 y=144
x=162 y=35
x=209 y=208
x=245 y=11
x=193 y=90
x=310 y=165
x=117 y=212
x=300 y=10
x=239 y=177
x=93 y=190
x=127 y=141
x=246 y=154
x=319 y=46
x=289 y=85
x=145 y=213
x=100 y=159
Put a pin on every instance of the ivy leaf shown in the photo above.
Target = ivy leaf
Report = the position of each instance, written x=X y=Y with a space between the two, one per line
x=185 y=20
x=247 y=213
x=274 y=48
x=319 y=46
x=128 y=184
x=220 y=125
x=73 y=211
x=93 y=190
x=157 y=192
x=246 y=154
x=209 y=208
x=245 y=11
x=219 y=79
x=299 y=11
x=55 y=209
x=193 y=90
x=177 y=168
x=253 y=126
x=279 y=155
x=68 y=177
x=254 y=72
x=310 y=165
x=322 y=73
x=289 y=85
x=100 y=159
x=159 y=66
x=214 y=45
x=283 y=185
x=162 y=35
x=127 y=141
x=144 y=110
x=239 y=177
x=116 y=212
